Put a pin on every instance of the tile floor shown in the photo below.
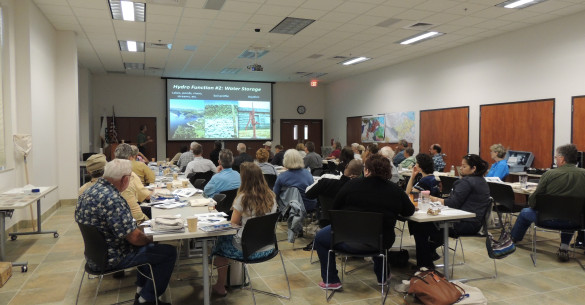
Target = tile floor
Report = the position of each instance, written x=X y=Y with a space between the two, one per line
x=56 y=267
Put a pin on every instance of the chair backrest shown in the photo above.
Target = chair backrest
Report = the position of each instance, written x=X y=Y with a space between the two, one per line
x=447 y=184
x=259 y=232
x=219 y=198
x=352 y=227
x=326 y=206
x=550 y=207
x=226 y=204
x=317 y=171
x=96 y=249
x=503 y=196
x=270 y=179
x=206 y=176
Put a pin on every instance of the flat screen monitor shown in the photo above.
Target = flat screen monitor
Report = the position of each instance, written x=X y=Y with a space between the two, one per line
x=519 y=160
x=218 y=110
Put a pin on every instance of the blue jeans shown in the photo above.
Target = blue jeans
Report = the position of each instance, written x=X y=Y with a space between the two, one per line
x=162 y=259
x=322 y=246
x=528 y=216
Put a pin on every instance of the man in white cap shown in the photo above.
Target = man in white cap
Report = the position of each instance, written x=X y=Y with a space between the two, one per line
x=268 y=147
x=95 y=167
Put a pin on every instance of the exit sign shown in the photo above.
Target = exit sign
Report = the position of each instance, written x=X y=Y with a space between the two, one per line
x=313 y=83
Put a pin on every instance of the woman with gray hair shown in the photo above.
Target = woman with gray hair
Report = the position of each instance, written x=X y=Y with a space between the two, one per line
x=295 y=176
x=500 y=168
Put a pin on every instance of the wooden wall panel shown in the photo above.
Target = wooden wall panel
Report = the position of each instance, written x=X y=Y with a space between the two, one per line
x=525 y=126
x=448 y=128
x=578 y=122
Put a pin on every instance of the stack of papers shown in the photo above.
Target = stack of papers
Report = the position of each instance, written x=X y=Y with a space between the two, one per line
x=218 y=227
x=186 y=192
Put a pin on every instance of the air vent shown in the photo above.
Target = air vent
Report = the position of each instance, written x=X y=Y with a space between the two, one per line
x=167 y=2
x=388 y=22
x=419 y=26
x=339 y=57
x=310 y=74
x=214 y=4
x=230 y=71
x=116 y=72
x=154 y=45
x=253 y=54
x=315 y=56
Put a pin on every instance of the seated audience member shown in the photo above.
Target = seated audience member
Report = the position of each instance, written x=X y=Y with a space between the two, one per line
x=356 y=153
x=102 y=207
x=344 y=158
x=214 y=155
x=135 y=192
x=428 y=182
x=361 y=150
x=328 y=186
x=371 y=150
x=95 y=167
x=435 y=151
x=312 y=160
x=399 y=153
x=175 y=159
x=470 y=193
x=388 y=153
x=186 y=157
x=142 y=170
x=254 y=199
x=409 y=159
x=199 y=164
x=262 y=157
x=226 y=179
x=301 y=149
x=295 y=176
x=500 y=168
x=373 y=193
x=565 y=180
x=336 y=151
x=242 y=157
x=268 y=147
x=278 y=156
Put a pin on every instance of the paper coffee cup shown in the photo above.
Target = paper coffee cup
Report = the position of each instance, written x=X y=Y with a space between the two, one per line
x=185 y=183
x=153 y=159
x=175 y=176
x=192 y=224
x=169 y=186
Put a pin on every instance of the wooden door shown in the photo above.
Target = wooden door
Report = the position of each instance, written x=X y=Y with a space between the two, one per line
x=354 y=130
x=128 y=129
x=523 y=126
x=578 y=122
x=293 y=132
x=448 y=128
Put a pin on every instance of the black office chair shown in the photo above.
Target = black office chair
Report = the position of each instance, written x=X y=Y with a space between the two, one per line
x=554 y=208
x=326 y=204
x=206 y=176
x=199 y=184
x=96 y=250
x=483 y=233
x=260 y=232
x=317 y=171
x=504 y=198
x=446 y=185
x=226 y=204
x=366 y=229
x=270 y=180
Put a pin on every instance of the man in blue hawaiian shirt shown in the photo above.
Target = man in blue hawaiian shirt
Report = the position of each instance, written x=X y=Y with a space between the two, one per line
x=103 y=207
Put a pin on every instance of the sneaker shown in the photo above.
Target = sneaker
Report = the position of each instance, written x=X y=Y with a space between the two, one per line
x=563 y=255
x=330 y=286
x=309 y=247
x=578 y=245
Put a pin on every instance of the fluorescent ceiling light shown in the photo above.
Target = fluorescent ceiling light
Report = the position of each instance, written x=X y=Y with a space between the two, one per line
x=420 y=37
x=127 y=10
x=519 y=4
x=290 y=25
x=134 y=66
x=131 y=46
x=354 y=60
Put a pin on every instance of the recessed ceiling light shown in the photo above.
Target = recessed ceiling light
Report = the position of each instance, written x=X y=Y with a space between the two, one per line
x=134 y=66
x=127 y=10
x=519 y=4
x=131 y=46
x=354 y=60
x=290 y=25
x=420 y=37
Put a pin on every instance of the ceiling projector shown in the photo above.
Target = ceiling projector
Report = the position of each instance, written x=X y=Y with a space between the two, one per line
x=255 y=67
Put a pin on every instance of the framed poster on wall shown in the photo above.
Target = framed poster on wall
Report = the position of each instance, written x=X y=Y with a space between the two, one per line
x=373 y=129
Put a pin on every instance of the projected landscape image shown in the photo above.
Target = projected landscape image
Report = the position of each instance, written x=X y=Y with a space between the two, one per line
x=189 y=119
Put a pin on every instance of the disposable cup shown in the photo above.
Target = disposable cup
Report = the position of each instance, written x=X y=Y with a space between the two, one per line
x=192 y=224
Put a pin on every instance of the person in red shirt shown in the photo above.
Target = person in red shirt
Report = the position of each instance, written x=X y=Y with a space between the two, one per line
x=336 y=151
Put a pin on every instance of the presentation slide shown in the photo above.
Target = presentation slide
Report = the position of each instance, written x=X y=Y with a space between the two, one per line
x=218 y=110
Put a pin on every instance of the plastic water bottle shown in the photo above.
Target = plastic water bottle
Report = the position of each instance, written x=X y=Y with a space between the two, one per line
x=160 y=171
x=452 y=171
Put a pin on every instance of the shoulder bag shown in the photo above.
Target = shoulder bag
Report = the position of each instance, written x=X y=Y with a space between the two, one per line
x=431 y=287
